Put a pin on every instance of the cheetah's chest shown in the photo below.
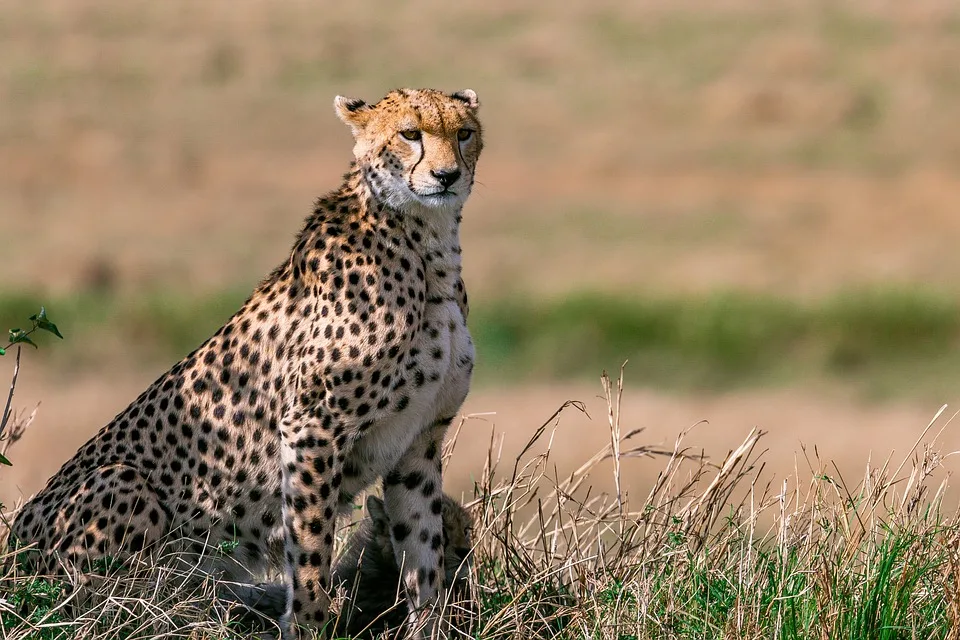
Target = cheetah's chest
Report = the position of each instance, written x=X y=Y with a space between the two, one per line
x=438 y=371
x=449 y=360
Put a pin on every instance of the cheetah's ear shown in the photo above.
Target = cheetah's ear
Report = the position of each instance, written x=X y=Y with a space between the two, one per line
x=376 y=510
x=352 y=111
x=468 y=97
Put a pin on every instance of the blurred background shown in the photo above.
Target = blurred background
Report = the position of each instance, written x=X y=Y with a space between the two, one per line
x=754 y=202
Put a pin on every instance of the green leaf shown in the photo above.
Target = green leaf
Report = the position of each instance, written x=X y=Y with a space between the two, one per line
x=23 y=338
x=46 y=325
x=14 y=333
x=3 y=460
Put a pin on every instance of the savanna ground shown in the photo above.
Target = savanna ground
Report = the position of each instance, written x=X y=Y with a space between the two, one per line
x=753 y=202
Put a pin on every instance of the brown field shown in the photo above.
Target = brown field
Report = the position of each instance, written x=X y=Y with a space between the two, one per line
x=646 y=145
x=778 y=146
x=827 y=423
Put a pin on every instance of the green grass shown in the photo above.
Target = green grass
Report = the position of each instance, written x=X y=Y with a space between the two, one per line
x=36 y=600
x=718 y=340
x=886 y=340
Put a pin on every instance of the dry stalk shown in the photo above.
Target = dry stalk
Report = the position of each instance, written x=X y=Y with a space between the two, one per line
x=613 y=418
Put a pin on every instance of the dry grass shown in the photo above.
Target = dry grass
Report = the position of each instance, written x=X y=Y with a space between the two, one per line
x=710 y=550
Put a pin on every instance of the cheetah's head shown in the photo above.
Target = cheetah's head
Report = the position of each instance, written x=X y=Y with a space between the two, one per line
x=458 y=540
x=418 y=148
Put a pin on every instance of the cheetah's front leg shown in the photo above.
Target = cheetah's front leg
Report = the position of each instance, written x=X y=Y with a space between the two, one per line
x=412 y=492
x=311 y=484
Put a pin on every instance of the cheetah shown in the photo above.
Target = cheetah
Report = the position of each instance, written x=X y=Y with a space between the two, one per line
x=344 y=367
x=369 y=571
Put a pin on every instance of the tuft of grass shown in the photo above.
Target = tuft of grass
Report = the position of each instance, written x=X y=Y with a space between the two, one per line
x=146 y=598
x=37 y=598
x=714 y=549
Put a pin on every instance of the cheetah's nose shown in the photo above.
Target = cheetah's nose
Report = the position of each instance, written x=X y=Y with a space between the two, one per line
x=446 y=177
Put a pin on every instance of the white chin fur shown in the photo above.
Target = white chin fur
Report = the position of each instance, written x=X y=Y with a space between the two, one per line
x=399 y=196
x=440 y=201
x=408 y=199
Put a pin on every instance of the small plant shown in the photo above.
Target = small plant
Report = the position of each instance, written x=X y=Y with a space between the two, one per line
x=39 y=322
x=35 y=600
x=39 y=597
x=226 y=547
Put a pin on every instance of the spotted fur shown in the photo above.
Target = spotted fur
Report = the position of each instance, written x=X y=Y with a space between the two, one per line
x=345 y=366
x=368 y=570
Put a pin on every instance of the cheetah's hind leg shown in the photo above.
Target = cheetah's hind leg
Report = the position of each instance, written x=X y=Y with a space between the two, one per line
x=96 y=525
x=81 y=530
x=112 y=513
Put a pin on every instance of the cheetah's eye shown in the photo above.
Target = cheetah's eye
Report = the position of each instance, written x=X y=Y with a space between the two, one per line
x=411 y=134
x=464 y=134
